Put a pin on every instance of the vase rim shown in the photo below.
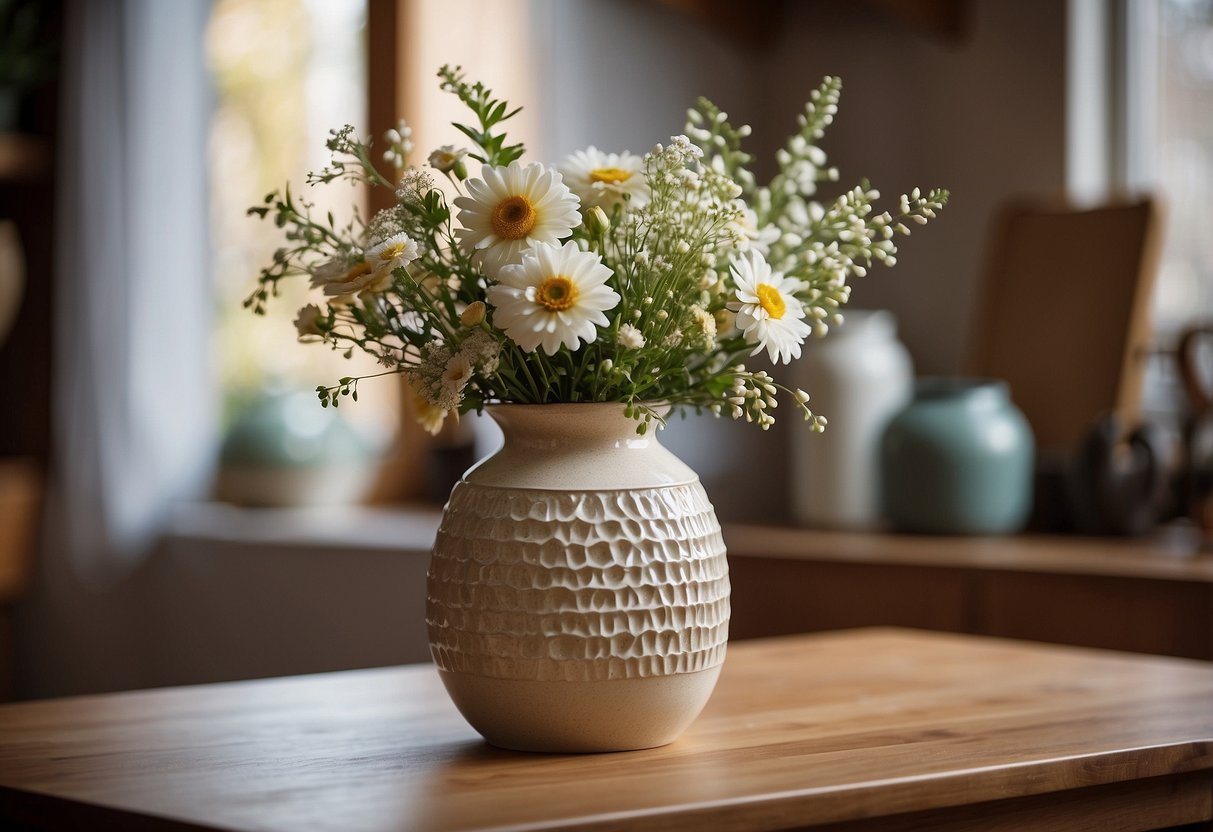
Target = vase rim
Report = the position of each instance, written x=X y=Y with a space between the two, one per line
x=659 y=407
x=944 y=386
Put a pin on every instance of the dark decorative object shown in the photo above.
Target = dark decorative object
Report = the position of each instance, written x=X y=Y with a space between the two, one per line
x=1117 y=480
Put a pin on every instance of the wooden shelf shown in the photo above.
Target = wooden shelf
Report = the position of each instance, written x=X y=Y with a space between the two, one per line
x=1146 y=596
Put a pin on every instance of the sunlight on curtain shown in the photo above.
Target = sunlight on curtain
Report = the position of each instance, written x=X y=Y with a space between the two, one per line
x=134 y=391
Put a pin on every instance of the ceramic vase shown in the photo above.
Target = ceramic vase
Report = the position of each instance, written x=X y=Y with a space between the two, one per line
x=578 y=593
x=859 y=376
x=958 y=459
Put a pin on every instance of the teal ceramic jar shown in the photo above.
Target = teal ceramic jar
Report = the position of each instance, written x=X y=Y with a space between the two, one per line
x=958 y=460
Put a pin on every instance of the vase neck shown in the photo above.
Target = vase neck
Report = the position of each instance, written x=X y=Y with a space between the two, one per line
x=565 y=447
x=554 y=425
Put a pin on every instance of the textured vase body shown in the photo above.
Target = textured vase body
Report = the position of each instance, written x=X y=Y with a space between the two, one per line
x=578 y=594
x=958 y=460
x=859 y=376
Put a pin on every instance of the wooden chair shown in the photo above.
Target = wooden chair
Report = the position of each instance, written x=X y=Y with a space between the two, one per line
x=1065 y=317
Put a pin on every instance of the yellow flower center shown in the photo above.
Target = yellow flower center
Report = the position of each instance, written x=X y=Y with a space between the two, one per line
x=513 y=218
x=392 y=252
x=556 y=294
x=771 y=300
x=611 y=176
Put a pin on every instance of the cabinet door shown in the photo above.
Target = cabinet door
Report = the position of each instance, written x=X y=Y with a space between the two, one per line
x=1171 y=618
x=776 y=596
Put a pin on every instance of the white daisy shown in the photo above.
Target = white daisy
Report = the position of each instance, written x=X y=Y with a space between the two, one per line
x=448 y=158
x=513 y=208
x=768 y=313
x=606 y=179
x=384 y=258
x=554 y=296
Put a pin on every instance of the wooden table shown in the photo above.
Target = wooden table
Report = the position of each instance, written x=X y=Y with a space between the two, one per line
x=868 y=729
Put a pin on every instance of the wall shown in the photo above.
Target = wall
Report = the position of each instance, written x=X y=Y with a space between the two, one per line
x=984 y=117
x=620 y=74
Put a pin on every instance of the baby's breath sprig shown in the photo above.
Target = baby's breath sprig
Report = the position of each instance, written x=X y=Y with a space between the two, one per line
x=306 y=236
x=822 y=246
x=753 y=395
x=802 y=163
x=351 y=159
x=708 y=126
x=919 y=209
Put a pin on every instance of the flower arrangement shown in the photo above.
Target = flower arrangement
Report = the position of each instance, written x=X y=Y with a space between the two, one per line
x=609 y=278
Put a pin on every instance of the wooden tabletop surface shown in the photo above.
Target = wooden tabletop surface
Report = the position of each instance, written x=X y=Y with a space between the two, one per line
x=923 y=730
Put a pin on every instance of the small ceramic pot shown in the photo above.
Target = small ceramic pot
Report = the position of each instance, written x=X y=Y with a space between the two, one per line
x=958 y=459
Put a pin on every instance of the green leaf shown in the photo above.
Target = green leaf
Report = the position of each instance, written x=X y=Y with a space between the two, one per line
x=469 y=132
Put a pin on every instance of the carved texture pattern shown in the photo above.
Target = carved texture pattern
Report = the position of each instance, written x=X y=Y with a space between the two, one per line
x=578 y=586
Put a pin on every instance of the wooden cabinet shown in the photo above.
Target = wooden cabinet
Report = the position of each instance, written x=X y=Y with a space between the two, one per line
x=1152 y=596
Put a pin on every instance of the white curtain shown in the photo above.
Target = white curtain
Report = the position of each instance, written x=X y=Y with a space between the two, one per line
x=135 y=396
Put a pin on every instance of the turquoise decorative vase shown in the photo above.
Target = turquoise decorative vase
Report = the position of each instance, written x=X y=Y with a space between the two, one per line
x=958 y=459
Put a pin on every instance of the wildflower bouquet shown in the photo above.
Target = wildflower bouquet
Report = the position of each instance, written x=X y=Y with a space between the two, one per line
x=612 y=277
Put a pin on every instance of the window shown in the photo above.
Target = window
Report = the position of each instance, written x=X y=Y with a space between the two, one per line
x=1158 y=138
x=285 y=73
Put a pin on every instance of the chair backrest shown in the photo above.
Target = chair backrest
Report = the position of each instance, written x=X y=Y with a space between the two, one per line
x=1065 y=317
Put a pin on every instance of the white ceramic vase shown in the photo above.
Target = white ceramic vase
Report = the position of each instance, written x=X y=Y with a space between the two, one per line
x=578 y=594
x=859 y=376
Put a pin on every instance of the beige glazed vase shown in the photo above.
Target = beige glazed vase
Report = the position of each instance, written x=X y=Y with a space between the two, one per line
x=578 y=594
